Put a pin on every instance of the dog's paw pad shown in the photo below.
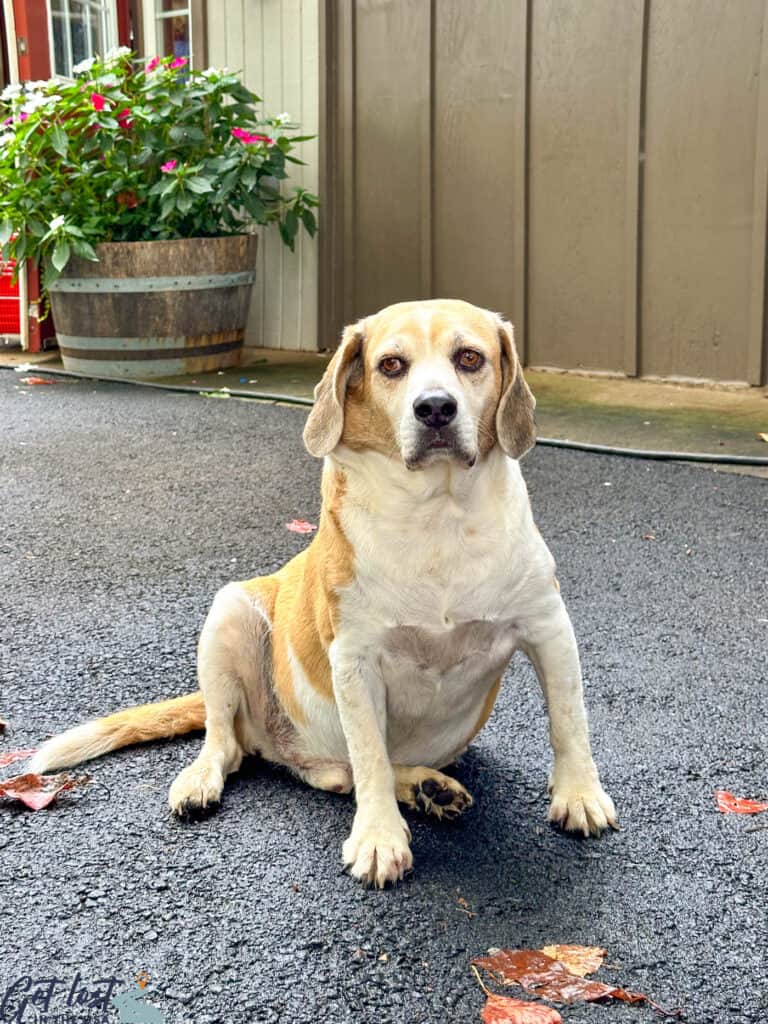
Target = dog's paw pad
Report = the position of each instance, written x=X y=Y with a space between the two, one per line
x=441 y=796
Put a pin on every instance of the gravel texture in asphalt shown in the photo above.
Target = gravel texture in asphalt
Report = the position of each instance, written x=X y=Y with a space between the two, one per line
x=124 y=510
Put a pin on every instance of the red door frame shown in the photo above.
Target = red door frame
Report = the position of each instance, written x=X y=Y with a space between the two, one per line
x=34 y=55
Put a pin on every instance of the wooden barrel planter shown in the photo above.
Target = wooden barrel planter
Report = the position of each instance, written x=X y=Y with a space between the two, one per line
x=155 y=309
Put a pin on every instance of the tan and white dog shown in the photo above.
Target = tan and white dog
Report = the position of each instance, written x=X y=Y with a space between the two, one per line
x=372 y=659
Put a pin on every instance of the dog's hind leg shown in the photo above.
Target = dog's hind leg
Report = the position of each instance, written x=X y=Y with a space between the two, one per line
x=233 y=670
x=425 y=789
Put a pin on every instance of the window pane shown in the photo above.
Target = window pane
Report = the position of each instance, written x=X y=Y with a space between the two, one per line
x=174 y=33
x=79 y=31
x=60 y=63
x=97 y=36
x=171 y=5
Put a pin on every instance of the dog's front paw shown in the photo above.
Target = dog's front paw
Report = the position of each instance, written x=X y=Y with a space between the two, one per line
x=579 y=802
x=196 y=788
x=377 y=851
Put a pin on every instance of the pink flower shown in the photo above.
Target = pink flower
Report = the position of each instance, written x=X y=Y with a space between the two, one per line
x=247 y=137
x=98 y=100
x=168 y=167
x=179 y=62
x=23 y=115
x=8 y=120
x=124 y=119
x=152 y=64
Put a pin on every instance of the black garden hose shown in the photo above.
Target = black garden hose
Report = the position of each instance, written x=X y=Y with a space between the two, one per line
x=547 y=442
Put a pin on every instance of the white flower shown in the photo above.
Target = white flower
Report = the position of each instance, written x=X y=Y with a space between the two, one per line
x=117 y=52
x=84 y=65
x=57 y=222
x=10 y=92
x=6 y=139
x=34 y=101
x=35 y=87
x=282 y=118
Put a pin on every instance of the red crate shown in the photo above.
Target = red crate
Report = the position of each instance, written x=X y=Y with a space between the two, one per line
x=10 y=303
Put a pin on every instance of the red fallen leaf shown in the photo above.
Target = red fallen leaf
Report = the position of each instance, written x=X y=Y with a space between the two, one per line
x=503 y=1010
x=37 y=791
x=300 y=526
x=11 y=756
x=542 y=976
x=581 y=960
x=730 y=804
x=36 y=380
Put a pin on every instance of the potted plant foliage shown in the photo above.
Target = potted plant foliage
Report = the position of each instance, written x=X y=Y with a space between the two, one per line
x=137 y=187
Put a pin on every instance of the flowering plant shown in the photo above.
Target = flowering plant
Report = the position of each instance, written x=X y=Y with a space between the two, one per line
x=132 y=151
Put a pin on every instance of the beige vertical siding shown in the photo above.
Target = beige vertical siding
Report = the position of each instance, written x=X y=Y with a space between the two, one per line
x=595 y=169
x=275 y=43
x=703 y=63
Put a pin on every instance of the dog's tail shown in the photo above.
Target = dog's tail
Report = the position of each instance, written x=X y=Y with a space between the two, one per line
x=134 y=725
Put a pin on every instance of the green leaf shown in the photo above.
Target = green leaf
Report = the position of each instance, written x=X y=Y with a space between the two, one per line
x=6 y=230
x=60 y=256
x=184 y=203
x=309 y=221
x=84 y=250
x=254 y=206
x=59 y=139
x=186 y=133
x=198 y=184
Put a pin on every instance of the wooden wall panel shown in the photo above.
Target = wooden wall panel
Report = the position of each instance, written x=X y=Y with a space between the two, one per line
x=391 y=153
x=479 y=154
x=699 y=201
x=578 y=210
x=275 y=44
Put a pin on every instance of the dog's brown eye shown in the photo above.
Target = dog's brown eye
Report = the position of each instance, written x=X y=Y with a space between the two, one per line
x=392 y=366
x=468 y=359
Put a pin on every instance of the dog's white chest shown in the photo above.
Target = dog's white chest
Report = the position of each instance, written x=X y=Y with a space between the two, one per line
x=437 y=684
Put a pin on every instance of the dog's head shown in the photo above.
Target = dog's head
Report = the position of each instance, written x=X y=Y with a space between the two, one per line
x=424 y=381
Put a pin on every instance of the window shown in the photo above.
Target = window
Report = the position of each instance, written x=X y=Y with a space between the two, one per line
x=80 y=29
x=174 y=28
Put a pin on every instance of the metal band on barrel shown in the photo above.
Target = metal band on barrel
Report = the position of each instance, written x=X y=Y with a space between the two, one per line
x=178 y=283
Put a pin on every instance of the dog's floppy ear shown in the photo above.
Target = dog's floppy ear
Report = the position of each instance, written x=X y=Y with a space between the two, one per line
x=515 y=427
x=325 y=425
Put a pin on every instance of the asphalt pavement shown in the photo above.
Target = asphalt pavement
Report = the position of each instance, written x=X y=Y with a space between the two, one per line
x=122 y=510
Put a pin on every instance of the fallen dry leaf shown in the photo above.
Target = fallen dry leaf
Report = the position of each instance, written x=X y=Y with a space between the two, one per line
x=37 y=791
x=542 y=976
x=36 y=380
x=763 y=437
x=464 y=907
x=3 y=725
x=503 y=1010
x=730 y=804
x=12 y=756
x=300 y=526
x=581 y=960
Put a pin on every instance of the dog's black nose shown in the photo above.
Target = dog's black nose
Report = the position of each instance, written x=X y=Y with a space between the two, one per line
x=435 y=408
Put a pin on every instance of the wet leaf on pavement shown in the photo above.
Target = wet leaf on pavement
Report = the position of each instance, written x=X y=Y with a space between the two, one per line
x=38 y=791
x=581 y=960
x=300 y=526
x=11 y=756
x=542 y=976
x=730 y=804
x=503 y=1010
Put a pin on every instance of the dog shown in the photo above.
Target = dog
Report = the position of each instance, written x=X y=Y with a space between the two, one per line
x=374 y=657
